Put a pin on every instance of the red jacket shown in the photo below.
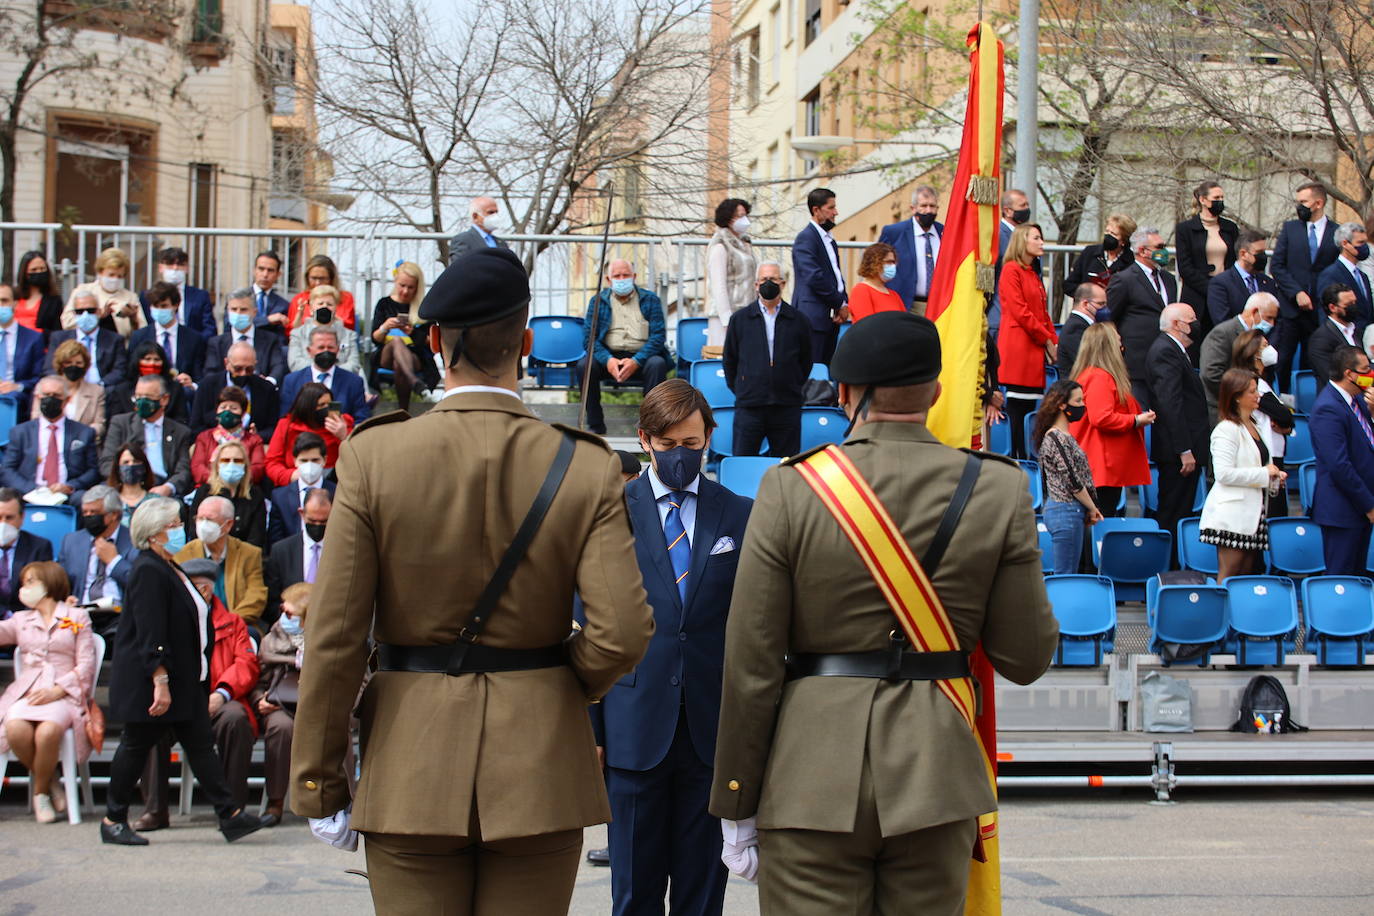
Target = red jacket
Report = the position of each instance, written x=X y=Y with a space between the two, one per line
x=1114 y=444
x=280 y=464
x=233 y=663
x=1026 y=327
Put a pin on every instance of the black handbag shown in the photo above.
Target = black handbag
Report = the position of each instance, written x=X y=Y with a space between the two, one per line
x=285 y=690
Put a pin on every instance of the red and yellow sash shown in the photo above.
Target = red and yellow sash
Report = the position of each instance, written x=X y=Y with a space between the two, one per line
x=909 y=591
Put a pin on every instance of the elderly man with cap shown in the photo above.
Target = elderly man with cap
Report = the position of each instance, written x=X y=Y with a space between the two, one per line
x=846 y=751
x=469 y=613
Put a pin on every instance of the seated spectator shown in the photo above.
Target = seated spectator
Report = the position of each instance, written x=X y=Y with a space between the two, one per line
x=269 y=307
x=239 y=327
x=132 y=478
x=97 y=555
x=323 y=314
x=297 y=558
x=21 y=354
x=234 y=671
x=1336 y=330
x=320 y=271
x=313 y=410
x=871 y=294
x=287 y=499
x=229 y=478
x=631 y=338
x=38 y=306
x=403 y=341
x=56 y=642
x=52 y=452
x=1072 y=504
x=18 y=548
x=118 y=305
x=166 y=443
x=347 y=387
x=148 y=360
x=240 y=370
x=229 y=427
x=1253 y=353
x=196 y=311
x=108 y=357
x=184 y=348
x=85 y=400
x=239 y=582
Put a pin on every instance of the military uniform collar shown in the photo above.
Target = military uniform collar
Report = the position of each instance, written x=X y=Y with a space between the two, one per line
x=466 y=398
x=893 y=430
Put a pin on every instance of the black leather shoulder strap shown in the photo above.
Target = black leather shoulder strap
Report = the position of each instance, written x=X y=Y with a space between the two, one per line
x=940 y=543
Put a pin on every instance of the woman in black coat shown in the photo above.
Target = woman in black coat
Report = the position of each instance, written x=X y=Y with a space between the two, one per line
x=1206 y=246
x=1098 y=262
x=161 y=665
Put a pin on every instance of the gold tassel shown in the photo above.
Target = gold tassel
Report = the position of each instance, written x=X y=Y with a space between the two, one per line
x=984 y=277
x=983 y=190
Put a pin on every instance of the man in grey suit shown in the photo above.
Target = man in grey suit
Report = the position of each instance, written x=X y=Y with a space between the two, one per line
x=1261 y=311
x=487 y=220
x=166 y=442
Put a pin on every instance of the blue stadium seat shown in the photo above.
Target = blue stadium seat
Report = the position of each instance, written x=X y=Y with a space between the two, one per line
x=9 y=415
x=1193 y=615
x=844 y=328
x=1295 y=546
x=1028 y=428
x=691 y=337
x=1033 y=483
x=741 y=474
x=556 y=350
x=1298 y=451
x=1148 y=494
x=1046 y=547
x=821 y=426
x=820 y=372
x=1305 y=389
x=1200 y=499
x=1264 y=618
x=1117 y=524
x=1340 y=617
x=999 y=438
x=722 y=437
x=1131 y=558
x=708 y=377
x=50 y=522
x=1085 y=607
x=1192 y=553
x=1307 y=485
x=1051 y=375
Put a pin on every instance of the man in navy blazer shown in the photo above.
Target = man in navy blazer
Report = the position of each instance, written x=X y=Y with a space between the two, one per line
x=1228 y=291
x=99 y=554
x=239 y=328
x=109 y=358
x=1296 y=267
x=195 y=311
x=657 y=727
x=25 y=465
x=21 y=354
x=1354 y=247
x=269 y=309
x=767 y=360
x=184 y=347
x=917 y=243
x=308 y=453
x=346 y=387
x=821 y=295
x=18 y=548
x=1343 y=439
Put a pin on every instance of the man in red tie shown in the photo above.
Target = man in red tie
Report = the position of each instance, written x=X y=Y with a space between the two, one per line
x=51 y=451
x=1343 y=439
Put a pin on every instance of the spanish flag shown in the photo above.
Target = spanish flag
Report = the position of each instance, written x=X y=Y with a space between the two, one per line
x=968 y=249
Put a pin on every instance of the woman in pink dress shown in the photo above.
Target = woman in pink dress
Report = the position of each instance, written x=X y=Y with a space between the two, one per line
x=56 y=652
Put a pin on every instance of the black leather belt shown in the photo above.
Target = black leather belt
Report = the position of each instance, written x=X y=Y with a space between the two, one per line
x=906 y=666
x=477 y=660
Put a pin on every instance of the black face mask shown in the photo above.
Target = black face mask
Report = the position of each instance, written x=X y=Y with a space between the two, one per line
x=769 y=290
x=1261 y=262
x=73 y=373
x=324 y=315
x=50 y=406
x=1075 y=413
x=314 y=531
x=828 y=225
x=39 y=278
x=1216 y=206
x=1110 y=243
x=1020 y=217
x=240 y=380
x=926 y=220
x=133 y=473
x=94 y=525
x=1194 y=330
x=325 y=360
x=1304 y=213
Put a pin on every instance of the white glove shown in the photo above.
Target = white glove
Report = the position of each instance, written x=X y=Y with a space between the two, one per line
x=335 y=830
x=740 y=852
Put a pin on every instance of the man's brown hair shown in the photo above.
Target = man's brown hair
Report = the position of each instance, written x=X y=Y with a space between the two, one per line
x=669 y=404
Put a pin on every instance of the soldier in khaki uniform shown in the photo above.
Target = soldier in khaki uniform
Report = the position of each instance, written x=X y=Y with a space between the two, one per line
x=862 y=778
x=479 y=768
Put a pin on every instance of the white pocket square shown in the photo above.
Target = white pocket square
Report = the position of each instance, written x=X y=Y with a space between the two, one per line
x=724 y=545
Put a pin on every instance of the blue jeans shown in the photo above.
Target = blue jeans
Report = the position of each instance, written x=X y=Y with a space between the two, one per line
x=1065 y=523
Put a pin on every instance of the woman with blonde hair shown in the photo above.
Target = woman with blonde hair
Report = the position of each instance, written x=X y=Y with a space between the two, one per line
x=232 y=478
x=85 y=400
x=1026 y=341
x=402 y=340
x=1112 y=430
x=320 y=271
x=119 y=306
x=323 y=313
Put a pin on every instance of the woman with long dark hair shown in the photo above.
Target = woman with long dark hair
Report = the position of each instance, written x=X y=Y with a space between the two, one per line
x=148 y=358
x=314 y=410
x=1072 y=502
x=38 y=306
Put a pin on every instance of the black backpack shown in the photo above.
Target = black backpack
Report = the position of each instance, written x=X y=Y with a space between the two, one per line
x=1264 y=709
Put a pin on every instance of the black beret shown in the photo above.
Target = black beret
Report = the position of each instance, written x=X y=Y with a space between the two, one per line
x=200 y=568
x=485 y=286
x=890 y=349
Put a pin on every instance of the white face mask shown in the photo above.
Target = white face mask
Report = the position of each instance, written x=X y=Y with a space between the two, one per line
x=110 y=284
x=30 y=595
x=741 y=226
x=310 y=471
x=174 y=275
x=1269 y=356
x=494 y=222
x=208 y=531
x=8 y=534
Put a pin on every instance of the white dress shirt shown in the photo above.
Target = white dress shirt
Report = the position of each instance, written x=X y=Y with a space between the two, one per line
x=152 y=446
x=770 y=324
x=1150 y=274
x=44 y=431
x=921 y=238
x=488 y=389
x=1348 y=332
x=91 y=342
x=202 y=618
x=688 y=514
x=109 y=587
x=828 y=243
x=327 y=381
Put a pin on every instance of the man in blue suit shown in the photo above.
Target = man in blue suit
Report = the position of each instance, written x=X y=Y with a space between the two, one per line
x=347 y=388
x=183 y=346
x=1343 y=439
x=1305 y=247
x=21 y=354
x=1228 y=291
x=239 y=328
x=287 y=500
x=109 y=357
x=820 y=295
x=99 y=554
x=195 y=311
x=32 y=461
x=269 y=308
x=917 y=243
x=18 y=548
x=657 y=728
x=1353 y=244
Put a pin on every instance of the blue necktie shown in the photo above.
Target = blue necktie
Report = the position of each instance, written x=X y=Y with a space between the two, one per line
x=679 y=548
x=262 y=304
x=491 y=242
x=321 y=377
x=1312 y=243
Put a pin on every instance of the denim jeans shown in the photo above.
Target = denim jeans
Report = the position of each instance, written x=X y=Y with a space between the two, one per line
x=1065 y=523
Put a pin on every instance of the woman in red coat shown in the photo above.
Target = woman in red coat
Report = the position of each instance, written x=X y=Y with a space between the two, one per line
x=309 y=412
x=1026 y=341
x=1112 y=430
x=871 y=295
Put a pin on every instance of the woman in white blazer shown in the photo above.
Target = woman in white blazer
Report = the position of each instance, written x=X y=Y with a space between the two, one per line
x=1233 y=518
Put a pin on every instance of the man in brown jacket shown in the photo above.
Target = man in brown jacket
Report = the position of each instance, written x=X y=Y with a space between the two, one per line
x=479 y=769
x=863 y=779
x=240 y=563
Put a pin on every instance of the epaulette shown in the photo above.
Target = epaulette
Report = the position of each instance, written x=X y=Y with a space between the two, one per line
x=990 y=456
x=391 y=416
x=795 y=459
x=582 y=434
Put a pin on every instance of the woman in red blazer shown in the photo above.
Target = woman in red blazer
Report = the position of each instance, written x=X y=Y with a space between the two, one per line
x=310 y=412
x=1026 y=341
x=1112 y=430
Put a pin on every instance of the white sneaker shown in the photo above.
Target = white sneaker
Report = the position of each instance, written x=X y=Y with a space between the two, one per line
x=42 y=809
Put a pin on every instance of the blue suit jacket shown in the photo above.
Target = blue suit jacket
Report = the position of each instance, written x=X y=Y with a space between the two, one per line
x=275 y=304
x=1227 y=292
x=816 y=294
x=285 y=500
x=111 y=356
x=190 y=347
x=30 y=548
x=348 y=390
x=1295 y=271
x=19 y=467
x=28 y=362
x=1345 y=462
x=1337 y=272
x=636 y=721
x=902 y=237
x=195 y=305
x=75 y=554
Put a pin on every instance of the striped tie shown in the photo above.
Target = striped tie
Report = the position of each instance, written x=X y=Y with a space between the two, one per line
x=679 y=547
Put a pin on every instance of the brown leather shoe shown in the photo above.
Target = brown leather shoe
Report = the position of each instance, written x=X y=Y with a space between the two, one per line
x=150 y=821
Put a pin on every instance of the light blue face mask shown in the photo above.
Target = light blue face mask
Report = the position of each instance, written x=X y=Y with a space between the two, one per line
x=6 y=314
x=239 y=321
x=164 y=317
x=1264 y=327
x=291 y=626
x=176 y=540
x=889 y=271
x=623 y=287
x=86 y=322
x=230 y=473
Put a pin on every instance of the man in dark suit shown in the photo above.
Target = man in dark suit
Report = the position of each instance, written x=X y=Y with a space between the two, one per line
x=1336 y=330
x=657 y=728
x=269 y=309
x=1343 y=439
x=821 y=294
x=1228 y=291
x=17 y=549
x=1260 y=312
x=1089 y=301
x=1016 y=209
x=21 y=354
x=195 y=311
x=917 y=243
x=308 y=451
x=1354 y=247
x=1305 y=247
x=109 y=357
x=166 y=442
x=297 y=558
x=239 y=328
x=184 y=347
x=239 y=368
x=767 y=360
x=98 y=554
x=346 y=387
x=1136 y=296
x=487 y=220
x=1180 y=442
x=52 y=451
